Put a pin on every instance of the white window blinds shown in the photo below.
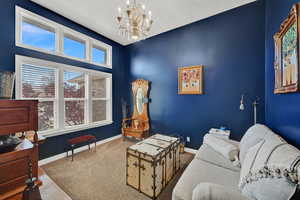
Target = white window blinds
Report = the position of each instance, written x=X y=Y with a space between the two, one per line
x=38 y=82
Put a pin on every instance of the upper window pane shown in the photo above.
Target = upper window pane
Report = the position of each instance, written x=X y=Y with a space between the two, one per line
x=38 y=35
x=73 y=47
x=74 y=84
x=38 y=82
x=98 y=87
x=98 y=55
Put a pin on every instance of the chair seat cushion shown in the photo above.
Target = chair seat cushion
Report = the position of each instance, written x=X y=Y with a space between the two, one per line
x=200 y=171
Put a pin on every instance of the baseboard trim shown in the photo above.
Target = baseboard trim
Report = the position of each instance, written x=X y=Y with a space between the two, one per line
x=63 y=155
x=190 y=150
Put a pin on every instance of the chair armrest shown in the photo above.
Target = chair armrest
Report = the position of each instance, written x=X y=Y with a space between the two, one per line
x=126 y=119
x=211 y=191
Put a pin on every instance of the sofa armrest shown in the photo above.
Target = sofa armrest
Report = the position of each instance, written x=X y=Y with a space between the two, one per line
x=211 y=191
x=223 y=146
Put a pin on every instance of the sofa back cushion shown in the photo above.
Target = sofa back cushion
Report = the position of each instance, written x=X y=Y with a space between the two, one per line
x=270 y=170
x=253 y=135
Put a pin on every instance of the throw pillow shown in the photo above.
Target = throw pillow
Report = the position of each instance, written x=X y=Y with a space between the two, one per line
x=270 y=170
x=270 y=189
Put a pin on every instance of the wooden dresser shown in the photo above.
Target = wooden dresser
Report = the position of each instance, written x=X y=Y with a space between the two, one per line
x=18 y=116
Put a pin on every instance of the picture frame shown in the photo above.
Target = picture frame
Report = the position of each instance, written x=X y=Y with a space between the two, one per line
x=286 y=64
x=190 y=80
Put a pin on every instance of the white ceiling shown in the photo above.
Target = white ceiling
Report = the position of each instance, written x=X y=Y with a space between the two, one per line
x=100 y=15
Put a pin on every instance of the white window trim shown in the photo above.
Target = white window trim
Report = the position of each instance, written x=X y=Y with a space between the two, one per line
x=60 y=30
x=78 y=36
x=59 y=128
x=105 y=47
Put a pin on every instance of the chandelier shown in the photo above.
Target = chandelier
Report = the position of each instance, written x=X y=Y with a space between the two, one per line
x=134 y=21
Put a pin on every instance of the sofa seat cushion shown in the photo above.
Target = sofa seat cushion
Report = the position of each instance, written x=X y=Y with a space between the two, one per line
x=200 y=171
x=208 y=154
x=211 y=191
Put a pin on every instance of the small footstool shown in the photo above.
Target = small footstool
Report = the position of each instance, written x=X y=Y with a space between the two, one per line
x=74 y=142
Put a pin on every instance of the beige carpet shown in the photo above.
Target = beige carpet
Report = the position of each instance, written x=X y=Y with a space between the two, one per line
x=102 y=175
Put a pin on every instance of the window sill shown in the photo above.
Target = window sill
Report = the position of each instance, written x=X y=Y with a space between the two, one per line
x=57 y=132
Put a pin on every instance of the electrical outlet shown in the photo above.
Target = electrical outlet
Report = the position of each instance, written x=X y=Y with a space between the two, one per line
x=188 y=139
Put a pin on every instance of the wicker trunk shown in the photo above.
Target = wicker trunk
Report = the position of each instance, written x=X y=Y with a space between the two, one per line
x=152 y=163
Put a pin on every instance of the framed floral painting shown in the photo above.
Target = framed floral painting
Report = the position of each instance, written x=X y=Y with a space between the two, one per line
x=286 y=65
x=190 y=80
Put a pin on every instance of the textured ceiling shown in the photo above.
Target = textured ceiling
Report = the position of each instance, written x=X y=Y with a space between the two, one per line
x=100 y=15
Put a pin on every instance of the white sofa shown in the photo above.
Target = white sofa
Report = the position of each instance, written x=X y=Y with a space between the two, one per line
x=210 y=176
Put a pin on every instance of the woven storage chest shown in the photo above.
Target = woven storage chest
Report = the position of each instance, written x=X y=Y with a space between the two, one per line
x=152 y=163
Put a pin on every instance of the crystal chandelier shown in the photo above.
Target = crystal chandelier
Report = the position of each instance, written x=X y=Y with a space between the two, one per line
x=134 y=21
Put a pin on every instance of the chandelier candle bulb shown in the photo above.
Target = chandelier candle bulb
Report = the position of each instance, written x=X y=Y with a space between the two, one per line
x=128 y=13
x=119 y=18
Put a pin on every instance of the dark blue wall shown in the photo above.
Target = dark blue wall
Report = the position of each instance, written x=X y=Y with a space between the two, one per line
x=282 y=110
x=231 y=47
x=8 y=50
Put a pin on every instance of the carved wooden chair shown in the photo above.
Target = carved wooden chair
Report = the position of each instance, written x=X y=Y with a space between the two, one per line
x=138 y=125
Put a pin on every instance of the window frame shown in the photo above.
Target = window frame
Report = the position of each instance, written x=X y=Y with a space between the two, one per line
x=60 y=31
x=59 y=105
x=84 y=99
x=107 y=49
x=22 y=15
x=107 y=98
x=73 y=35
x=19 y=91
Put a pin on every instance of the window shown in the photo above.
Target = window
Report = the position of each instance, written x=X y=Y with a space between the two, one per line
x=98 y=55
x=38 y=35
x=39 y=83
x=74 y=47
x=100 y=98
x=41 y=34
x=70 y=98
x=74 y=93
